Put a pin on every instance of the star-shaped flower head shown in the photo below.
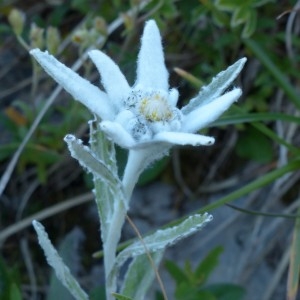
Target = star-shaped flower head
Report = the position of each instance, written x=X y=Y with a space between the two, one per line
x=144 y=117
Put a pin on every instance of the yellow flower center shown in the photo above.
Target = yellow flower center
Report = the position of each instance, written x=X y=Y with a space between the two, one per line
x=155 y=108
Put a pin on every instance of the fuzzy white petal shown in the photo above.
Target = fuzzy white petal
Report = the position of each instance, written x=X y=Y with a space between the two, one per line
x=173 y=97
x=81 y=89
x=151 y=70
x=112 y=78
x=118 y=134
x=181 y=138
x=201 y=117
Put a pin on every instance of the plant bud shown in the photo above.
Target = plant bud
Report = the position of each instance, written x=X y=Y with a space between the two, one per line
x=100 y=26
x=128 y=21
x=16 y=19
x=80 y=36
x=52 y=39
x=36 y=36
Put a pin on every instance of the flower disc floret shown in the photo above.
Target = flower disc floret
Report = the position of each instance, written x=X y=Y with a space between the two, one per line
x=155 y=107
x=147 y=112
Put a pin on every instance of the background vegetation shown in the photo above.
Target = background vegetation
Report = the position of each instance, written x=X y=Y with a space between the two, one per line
x=256 y=157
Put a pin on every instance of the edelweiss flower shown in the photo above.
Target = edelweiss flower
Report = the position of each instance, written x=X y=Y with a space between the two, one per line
x=144 y=118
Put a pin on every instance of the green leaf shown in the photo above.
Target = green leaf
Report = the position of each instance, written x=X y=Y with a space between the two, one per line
x=186 y=291
x=279 y=76
x=226 y=291
x=140 y=275
x=228 y=5
x=272 y=135
x=97 y=293
x=8 y=286
x=258 y=3
x=240 y=118
x=250 y=25
x=208 y=264
x=14 y=293
x=178 y=275
x=168 y=9
x=121 y=297
x=58 y=14
x=80 y=5
x=252 y=144
x=205 y=295
x=220 y=18
x=189 y=271
x=240 y=16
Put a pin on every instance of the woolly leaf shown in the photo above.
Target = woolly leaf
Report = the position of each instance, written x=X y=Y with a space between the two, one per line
x=164 y=238
x=54 y=260
x=216 y=88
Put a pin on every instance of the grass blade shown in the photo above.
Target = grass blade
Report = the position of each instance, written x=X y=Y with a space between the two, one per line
x=294 y=268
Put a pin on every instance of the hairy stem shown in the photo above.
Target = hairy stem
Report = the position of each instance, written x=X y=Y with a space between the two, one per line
x=111 y=244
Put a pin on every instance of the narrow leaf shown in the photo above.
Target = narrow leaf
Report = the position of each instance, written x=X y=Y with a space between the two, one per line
x=105 y=195
x=262 y=181
x=108 y=187
x=208 y=264
x=226 y=291
x=280 y=76
x=243 y=117
x=54 y=260
x=121 y=297
x=164 y=238
x=240 y=16
x=69 y=252
x=250 y=25
x=14 y=293
x=263 y=128
x=294 y=268
x=227 y=5
x=176 y=272
x=217 y=86
x=89 y=162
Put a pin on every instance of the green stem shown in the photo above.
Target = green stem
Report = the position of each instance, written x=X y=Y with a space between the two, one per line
x=254 y=185
x=23 y=43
